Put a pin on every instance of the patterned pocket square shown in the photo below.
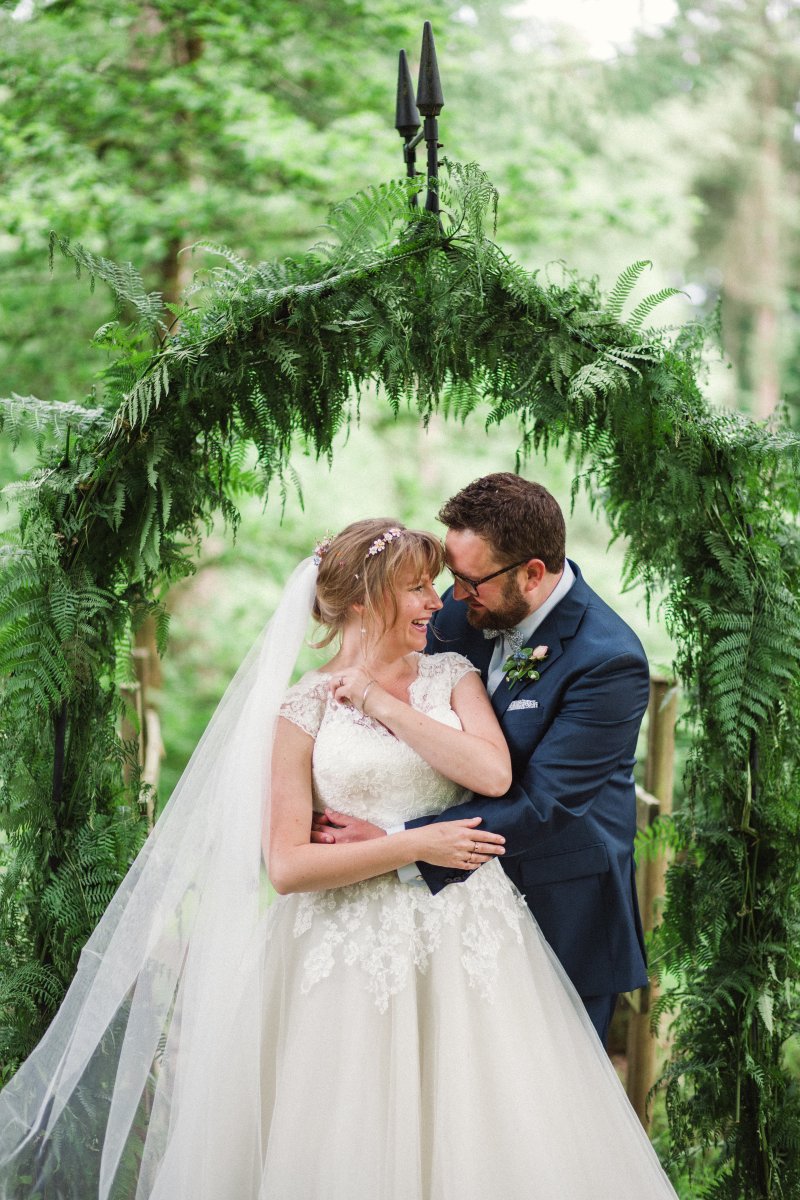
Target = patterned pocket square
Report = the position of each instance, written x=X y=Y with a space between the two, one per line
x=515 y=705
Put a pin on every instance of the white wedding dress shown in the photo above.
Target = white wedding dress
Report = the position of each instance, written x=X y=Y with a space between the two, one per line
x=420 y=1047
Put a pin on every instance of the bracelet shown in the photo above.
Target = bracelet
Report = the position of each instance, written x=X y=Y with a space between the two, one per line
x=364 y=695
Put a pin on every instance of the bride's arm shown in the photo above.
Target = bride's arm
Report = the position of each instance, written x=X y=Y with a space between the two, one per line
x=295 y=864
x=476 y=756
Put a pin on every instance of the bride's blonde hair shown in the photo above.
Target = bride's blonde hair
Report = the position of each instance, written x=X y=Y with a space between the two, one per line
x=361 y=566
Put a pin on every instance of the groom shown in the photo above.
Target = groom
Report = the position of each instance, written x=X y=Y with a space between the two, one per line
x=571 y=722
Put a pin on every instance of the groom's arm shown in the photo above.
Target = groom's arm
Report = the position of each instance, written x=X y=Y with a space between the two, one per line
x=593 y=731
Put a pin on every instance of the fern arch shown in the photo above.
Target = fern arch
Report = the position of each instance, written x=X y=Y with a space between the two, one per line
x=272 y=355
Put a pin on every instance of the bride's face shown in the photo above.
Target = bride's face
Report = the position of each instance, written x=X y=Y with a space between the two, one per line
x=417 y=600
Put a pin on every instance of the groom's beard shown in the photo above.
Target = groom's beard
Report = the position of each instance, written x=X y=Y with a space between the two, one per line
x=509 y=611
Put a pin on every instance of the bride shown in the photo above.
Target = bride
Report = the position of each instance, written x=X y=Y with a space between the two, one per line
x=359 y=1038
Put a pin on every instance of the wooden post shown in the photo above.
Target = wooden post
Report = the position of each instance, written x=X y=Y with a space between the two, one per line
x=151 y=770
x=148 y=671
x=148 y=734
x=132 y=724
x=655 y=799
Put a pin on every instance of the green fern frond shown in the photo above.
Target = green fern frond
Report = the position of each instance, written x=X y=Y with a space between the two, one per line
x=642 y=311
x=20 y=414
x=125 y=282
x=236 y=264
x=626 y=282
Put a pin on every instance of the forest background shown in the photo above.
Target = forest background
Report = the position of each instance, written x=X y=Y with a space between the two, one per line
x=140 y=129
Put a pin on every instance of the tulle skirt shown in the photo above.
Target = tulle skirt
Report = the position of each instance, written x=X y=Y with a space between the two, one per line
x=413 y=1048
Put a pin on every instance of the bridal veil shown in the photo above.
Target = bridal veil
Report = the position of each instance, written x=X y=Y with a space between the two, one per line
x=166 y=988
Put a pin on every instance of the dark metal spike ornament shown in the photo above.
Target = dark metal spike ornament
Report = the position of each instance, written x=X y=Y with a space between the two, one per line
x=407 y=118
x=430 y=102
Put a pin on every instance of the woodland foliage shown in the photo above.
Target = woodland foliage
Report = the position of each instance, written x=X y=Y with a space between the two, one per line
x=273 y=357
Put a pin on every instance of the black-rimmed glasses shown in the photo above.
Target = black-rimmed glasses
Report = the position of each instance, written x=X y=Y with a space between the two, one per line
x=472 y=585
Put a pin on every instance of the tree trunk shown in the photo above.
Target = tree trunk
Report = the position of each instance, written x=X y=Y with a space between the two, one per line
x=185 y=46
x=754 y=270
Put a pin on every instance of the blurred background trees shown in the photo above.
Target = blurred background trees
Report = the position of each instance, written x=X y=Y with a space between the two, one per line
x=728 y=75
x=142 y=128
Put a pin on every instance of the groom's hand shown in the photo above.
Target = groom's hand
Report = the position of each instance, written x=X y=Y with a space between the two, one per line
x=335 y=827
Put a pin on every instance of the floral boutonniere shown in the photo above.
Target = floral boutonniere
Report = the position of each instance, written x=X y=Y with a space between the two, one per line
x=523 y=664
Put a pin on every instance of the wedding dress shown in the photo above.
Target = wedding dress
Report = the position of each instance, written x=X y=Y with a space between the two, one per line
x=369 y=1042
x=426 y=1047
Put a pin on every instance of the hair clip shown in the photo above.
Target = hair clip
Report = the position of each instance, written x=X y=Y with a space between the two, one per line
x=380 y=543
x=321 y=549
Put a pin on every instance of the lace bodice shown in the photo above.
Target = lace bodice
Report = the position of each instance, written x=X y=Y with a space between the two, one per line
x=385 y=930
x=358 y=766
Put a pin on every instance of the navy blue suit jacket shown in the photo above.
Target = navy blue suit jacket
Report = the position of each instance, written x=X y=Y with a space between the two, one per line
x=569 y=818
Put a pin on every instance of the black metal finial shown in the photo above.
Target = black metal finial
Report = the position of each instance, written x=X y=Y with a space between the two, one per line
x=430 y=100
x=407 y=119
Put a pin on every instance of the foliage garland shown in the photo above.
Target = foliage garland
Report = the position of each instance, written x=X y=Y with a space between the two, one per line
x=435 y=314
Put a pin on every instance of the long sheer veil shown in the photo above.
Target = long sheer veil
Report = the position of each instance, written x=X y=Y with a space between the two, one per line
x=117 y=1098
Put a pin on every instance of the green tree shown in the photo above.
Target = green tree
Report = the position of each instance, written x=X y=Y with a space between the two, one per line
x=732 y=69
x=146 y=127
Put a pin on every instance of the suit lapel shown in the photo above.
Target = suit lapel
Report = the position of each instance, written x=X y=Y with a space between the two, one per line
x=478 y=650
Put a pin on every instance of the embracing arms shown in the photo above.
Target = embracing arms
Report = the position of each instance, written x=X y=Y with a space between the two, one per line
x=297 y=865
x=592 y=734
x=476 y=755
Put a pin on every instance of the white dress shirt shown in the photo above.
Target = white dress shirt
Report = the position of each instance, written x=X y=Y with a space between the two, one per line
x=502 y=649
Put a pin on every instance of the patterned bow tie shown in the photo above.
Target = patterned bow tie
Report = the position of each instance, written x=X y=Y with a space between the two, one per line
x=513 y=637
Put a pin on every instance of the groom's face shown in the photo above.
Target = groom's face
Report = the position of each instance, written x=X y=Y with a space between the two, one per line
x=500 y=602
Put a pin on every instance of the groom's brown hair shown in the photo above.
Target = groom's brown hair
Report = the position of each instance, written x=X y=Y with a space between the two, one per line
x=518 y=518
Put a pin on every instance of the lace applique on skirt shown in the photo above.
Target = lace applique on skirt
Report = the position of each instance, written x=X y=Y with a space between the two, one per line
x=387 y=931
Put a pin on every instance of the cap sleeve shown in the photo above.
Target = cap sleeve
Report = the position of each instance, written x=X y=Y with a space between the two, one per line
x=457 y=667
x=305 y=702
x=448 y=667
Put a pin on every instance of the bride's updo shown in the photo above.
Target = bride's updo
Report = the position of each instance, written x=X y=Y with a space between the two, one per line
x=361 y=566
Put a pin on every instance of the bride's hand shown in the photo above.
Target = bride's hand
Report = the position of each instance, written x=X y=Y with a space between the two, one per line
x=332 y=826
x=458 y=844
x=349 y=686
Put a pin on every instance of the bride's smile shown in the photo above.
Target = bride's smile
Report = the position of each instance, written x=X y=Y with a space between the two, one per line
x=416 y=600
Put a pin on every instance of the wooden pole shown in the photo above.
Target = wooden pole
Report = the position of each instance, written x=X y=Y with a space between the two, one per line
x=145 y=726
x=148 y=670
x=650 y=882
